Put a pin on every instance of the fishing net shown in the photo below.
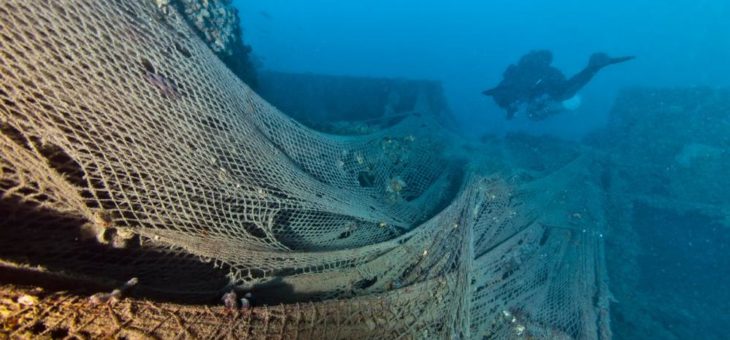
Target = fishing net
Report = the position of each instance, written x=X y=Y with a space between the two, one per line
x=130 y=150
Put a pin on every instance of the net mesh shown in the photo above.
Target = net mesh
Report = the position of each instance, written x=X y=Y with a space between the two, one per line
x=129 y=150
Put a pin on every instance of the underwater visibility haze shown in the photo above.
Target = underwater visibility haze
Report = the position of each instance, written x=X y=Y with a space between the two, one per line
x=467 y=44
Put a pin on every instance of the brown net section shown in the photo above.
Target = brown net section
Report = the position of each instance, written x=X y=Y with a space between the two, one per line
x=129 y=150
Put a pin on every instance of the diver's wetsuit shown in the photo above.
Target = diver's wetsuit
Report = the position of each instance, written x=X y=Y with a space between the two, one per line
x=534 y=82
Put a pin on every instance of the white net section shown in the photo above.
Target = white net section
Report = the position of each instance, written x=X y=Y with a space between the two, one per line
x=128 y=149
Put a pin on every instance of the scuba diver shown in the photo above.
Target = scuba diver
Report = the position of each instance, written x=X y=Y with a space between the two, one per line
x=541 y=90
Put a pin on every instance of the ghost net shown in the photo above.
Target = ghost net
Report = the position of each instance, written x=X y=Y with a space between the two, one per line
x=130 y=150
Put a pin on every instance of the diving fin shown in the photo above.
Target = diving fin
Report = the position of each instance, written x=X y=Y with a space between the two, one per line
x=490 y=92
x=601 y=60
x=621 y=59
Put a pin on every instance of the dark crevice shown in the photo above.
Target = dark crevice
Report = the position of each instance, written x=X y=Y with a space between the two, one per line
x=366 y=179
x=34 y=236
x=64 y=164
x=365 y=283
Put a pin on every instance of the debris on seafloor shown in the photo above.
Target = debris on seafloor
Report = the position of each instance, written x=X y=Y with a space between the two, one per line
x=359 y=158
x=395 y=185
x=115 y=295
x=231 y=301
x=102 y=228
x=28 y=300
x=11 y=304
x=246 y=301
x=163 y=5
x=396 y=150
x=517 y=327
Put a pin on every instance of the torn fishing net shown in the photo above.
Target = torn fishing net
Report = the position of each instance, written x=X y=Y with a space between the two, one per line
x=130 y=150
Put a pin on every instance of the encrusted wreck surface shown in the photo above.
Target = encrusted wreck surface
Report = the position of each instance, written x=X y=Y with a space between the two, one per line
x=668 y=155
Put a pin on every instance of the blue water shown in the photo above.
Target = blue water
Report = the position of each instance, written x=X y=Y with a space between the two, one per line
x=467 y=44
x=678 y=283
